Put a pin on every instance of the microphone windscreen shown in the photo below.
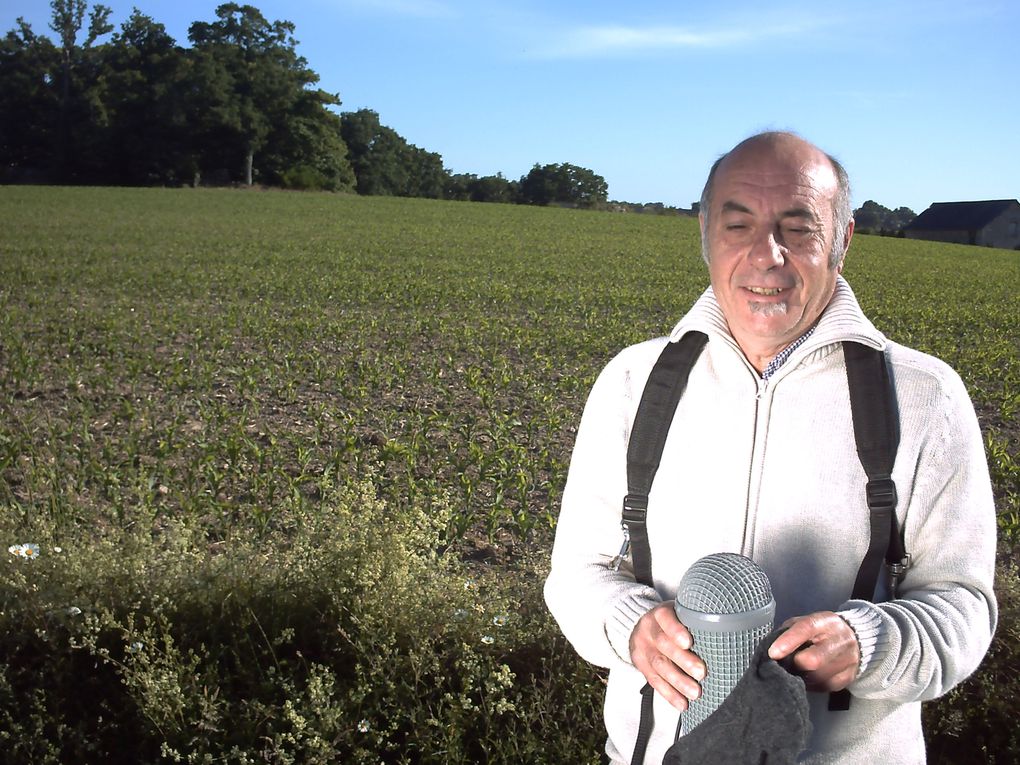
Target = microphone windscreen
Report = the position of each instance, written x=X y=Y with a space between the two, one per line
x=725 y=601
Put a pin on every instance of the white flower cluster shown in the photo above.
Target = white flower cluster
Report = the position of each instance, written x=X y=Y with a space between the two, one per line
x=28 y=550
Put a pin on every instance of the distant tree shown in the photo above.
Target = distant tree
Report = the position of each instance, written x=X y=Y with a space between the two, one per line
x=873 y=218
x=425 y=172
x=563 y=184
x=307 y=150
x=374 y=153
x=489 y=188
x=540 y=186
x=386 y=164
x=144 y=95
x=494 y=188
x=457 y=186
x=257 y=79
x=30 y=102
x=80 y=75
x=868 y=217
x=902 y=217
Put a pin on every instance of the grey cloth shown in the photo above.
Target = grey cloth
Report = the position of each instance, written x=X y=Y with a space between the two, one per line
x=764 y=720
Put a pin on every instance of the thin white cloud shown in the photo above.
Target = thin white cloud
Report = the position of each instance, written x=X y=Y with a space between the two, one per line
x=619 y=40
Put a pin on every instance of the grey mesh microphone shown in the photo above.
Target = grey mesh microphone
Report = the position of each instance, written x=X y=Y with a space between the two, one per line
x=726 y=602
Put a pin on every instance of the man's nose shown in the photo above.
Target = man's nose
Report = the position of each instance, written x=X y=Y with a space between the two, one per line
x=767 y=251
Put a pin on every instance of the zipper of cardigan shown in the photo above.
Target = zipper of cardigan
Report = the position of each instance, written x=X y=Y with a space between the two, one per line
x=747 y=540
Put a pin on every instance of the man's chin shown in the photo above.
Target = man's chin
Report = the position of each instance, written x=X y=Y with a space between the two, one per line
x=767 y=309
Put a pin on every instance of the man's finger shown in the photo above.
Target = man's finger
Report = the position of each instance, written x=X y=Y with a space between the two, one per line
x=799 y=632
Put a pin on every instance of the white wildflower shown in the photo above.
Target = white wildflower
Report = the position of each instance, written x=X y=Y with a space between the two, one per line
x=28 y=550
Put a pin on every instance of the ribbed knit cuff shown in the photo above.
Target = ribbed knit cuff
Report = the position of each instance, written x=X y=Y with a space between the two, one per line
x=622 y=619
x=866 y=622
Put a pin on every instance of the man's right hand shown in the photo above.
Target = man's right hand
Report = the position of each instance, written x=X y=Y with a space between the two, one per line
x=660 y=647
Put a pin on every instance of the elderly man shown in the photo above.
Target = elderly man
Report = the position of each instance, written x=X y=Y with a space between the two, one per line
x=761 y=460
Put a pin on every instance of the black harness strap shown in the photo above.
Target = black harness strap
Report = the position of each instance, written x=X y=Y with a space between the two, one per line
x=876 y=430
x=645 y=725
x=659 y=400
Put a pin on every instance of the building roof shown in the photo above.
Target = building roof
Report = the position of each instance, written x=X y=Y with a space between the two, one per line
x=960 y=216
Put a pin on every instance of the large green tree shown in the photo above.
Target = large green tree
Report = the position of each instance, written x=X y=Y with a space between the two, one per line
x=306 y=150
x=144 y=95
x=256 y=83
x=81 y=112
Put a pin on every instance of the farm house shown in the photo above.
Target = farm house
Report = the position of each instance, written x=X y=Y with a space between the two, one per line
x=989 y=224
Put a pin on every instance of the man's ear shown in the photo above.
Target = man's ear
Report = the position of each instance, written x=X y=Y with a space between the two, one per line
x=846 y=246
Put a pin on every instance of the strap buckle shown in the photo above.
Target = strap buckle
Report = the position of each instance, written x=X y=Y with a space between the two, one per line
x=635 y=510
x=881 y=493
x=898 y=568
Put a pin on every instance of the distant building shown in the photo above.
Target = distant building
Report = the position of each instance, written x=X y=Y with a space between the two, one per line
x=989 y=224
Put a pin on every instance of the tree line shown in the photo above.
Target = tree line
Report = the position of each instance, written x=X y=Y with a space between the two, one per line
x=873 y=218
x=238 y=106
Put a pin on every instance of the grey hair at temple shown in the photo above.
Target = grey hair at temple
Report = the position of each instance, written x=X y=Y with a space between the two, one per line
x=841 y=210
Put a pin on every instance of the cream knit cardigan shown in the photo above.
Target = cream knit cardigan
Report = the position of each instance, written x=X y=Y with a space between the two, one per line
x=771 y=471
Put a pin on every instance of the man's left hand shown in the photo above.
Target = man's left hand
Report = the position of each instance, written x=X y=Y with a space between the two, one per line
x=824 y=650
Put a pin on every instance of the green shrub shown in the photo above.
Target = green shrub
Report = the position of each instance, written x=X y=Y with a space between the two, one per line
x=304 y=177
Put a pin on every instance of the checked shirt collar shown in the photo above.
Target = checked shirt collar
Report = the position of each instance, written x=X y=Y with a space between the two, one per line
x=783 y=355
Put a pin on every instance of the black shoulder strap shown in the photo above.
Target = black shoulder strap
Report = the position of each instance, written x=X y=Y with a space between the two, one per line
x=665 y=386
x=662 y=393
x=876 y=430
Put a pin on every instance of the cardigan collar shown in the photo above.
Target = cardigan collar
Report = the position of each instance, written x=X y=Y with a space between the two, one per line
x=841 y=320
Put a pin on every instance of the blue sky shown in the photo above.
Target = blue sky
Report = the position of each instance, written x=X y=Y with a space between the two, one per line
x=919 y=100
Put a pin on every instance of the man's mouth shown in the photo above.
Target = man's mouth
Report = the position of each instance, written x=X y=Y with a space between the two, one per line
x=766 y=291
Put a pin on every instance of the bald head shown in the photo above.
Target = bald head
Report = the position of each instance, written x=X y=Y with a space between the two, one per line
x=790 y=150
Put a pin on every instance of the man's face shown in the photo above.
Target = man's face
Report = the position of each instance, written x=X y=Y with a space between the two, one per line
x=769 y=237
